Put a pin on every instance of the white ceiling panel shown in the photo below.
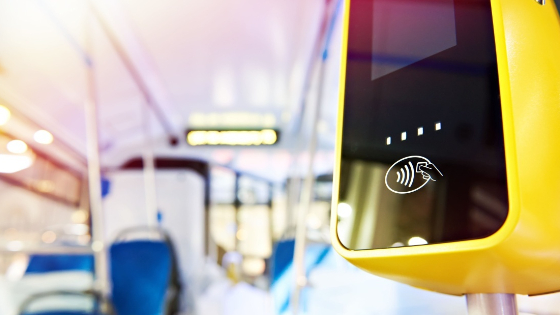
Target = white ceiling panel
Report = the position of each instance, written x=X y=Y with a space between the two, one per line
x=203 y=57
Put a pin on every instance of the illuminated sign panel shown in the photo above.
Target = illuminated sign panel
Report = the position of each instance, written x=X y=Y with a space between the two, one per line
x=232 y=137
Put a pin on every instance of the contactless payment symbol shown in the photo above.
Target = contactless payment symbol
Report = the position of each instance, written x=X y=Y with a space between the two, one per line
x=410 y=174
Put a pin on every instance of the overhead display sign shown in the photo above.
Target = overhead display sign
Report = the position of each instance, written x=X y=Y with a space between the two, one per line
x=255 y=137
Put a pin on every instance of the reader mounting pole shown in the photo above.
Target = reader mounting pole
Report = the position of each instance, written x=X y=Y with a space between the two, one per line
x=491 y=304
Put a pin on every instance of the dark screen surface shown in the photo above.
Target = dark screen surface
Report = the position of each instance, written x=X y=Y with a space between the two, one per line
x=422 y=147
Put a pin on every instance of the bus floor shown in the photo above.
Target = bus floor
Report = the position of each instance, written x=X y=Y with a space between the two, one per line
x=334 y=287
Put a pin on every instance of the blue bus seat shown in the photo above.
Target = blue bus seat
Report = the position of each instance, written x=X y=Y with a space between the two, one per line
x=63 y=313
x=282 y=257
x=60 y=262
x=282 y=271
x=140 y=273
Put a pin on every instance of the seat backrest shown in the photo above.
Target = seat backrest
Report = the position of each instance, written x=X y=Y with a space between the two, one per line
x=282 y=257
x=60 y=262
x=63 y=313
x=140 y=273
x=176 y=287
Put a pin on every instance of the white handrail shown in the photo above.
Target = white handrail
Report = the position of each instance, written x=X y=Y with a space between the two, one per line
x=94 y=172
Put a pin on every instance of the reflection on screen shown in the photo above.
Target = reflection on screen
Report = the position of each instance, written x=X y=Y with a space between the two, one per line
x=406 y=31
x=422 y=146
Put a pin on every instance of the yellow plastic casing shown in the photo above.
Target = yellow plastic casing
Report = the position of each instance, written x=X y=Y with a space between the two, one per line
x=522 y=257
